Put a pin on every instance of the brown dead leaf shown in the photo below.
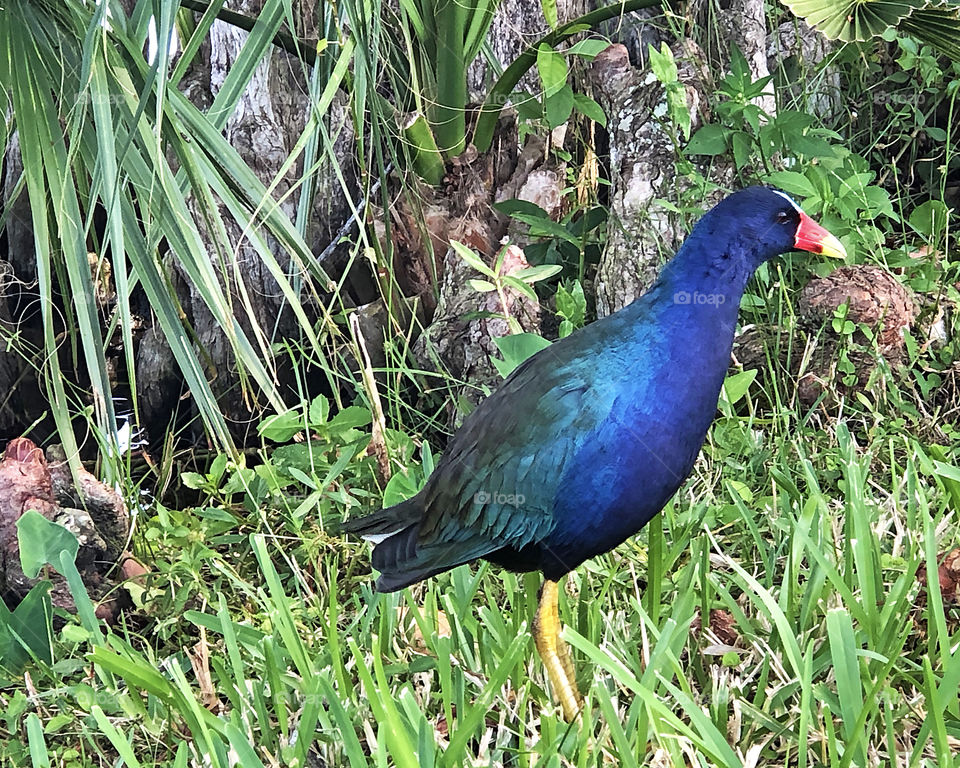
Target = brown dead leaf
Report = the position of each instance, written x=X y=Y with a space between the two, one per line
x=199 y=657
x=948 y=575
x=419 y=643
x=722 y=626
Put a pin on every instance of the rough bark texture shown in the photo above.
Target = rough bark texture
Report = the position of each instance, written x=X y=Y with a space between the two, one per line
x=641 y=233
x=94 y=513
x=18 y=227
x=516 y=25
x=159 y=380
x=264 y=129
x=795 y=51
x=460 y=338
x=637 y=31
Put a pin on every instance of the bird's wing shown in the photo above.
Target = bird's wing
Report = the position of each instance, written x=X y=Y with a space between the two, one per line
x=497 y=482
x=495 y=485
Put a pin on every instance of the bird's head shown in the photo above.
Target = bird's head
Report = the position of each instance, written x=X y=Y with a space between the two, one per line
x=758 y=223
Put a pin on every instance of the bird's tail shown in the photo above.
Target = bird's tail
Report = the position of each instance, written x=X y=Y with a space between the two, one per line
x=398 y=554
x=393 y=532
x=385 y=523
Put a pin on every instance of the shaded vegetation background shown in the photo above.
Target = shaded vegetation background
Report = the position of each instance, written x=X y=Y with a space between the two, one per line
x=231 y=229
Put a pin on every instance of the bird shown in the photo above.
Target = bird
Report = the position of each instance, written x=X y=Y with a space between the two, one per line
x=589 y=438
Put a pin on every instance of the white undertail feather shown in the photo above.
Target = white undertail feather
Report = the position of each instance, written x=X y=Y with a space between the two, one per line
x=377 y=538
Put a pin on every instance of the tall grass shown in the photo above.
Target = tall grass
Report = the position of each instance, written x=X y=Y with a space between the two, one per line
x=784 y=609
x=276 y=649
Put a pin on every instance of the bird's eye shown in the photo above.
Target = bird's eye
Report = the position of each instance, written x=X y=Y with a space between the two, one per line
x=783 y=217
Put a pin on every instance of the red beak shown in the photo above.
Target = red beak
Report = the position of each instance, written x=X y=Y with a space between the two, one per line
x=814 y=238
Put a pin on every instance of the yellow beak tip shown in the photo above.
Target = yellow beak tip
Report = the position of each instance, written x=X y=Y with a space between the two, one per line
x=832 y=248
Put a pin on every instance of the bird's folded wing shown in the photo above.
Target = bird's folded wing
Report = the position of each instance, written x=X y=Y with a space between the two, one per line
x=496 y=486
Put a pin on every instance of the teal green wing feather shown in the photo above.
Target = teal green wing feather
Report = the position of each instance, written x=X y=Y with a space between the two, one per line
x=488 y=490
x=495 y=486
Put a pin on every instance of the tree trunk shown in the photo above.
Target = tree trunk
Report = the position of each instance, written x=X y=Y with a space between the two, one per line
x=22 y=403
x=641 y=233
x=460 y=340
x=264 y=128
x=643 y=169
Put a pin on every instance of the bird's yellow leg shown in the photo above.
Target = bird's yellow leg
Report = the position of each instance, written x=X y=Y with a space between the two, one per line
x=554 y=652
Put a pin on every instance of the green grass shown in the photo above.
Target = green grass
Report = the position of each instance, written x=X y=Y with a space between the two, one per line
x=843 y=657
x=258 y=640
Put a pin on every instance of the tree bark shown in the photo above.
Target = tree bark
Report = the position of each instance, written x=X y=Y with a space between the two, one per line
x=460 y=339
x=264 y=128
x=22 y=402
x=642 y=234
x=643 y=153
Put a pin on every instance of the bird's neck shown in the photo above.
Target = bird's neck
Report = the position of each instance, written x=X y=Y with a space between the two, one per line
x=711 y=268
x=695 y=303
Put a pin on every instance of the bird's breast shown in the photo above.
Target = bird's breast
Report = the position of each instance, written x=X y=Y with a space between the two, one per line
x=625 y=469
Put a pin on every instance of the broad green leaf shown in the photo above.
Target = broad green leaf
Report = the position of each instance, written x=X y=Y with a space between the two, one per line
x=709 y=140
x=589 y=108
x=481 y=286
x=743 y=148
x=737 y=385
x=319 y=411
x=662 y=64
x=279 y=427
x=350 y=417
x=553 y=70
x=549 y=8
x=541 y=226
x=589 y=48
x=677 y=108
x=517 y=348
x=472 y=259
x=558 y=107
x=535 y=274
x=514 y=205
x=42 y=542
x=28 y=628
x=509 y=281
x=402 y=486
x=572 y=303
x=930 y=219
x=793 y=183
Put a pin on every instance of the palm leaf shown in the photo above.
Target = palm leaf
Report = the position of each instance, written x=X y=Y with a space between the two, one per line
x=97 y=126
x=936 y=24
x=850 y=20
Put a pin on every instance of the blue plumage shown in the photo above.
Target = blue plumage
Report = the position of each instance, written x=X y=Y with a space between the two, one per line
x=589 y=438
